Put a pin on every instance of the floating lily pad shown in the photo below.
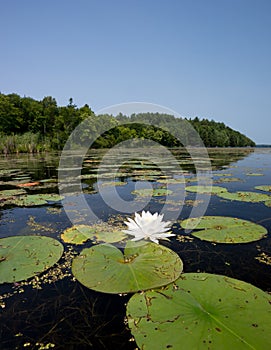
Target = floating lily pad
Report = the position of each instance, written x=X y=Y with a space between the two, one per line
x=35 y=200
x=206 y=189
x=222 y=229
x=157 y=192
x=142 y=266
x=254 y=174
x=22 y=257
x=268 y=203
x=245 y=196
x=266 y=188
x=201 y=311
x=98 y=233
x=5 y=194
x=172 y=181
x=113 y=183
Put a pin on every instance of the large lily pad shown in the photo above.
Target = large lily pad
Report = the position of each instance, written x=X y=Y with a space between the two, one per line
x=245 y=196
x=206 y=189
x=99 y=233
x=157 y=192
x=22 y=257
x=201 y=311
x=142 y=266
x=222 y=229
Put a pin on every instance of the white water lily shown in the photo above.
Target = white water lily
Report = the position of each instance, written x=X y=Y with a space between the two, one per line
x=148 y=226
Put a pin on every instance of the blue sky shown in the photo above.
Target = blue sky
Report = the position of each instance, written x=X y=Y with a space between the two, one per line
x=206 y=58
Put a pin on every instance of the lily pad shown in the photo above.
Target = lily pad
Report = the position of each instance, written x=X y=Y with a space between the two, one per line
x=22 y=257
x=222 y=229
x=35 y=200
x=157 y=192
x=98 y=233
x=201 y=311
x=142 y=266
x=206 y=189
x=5 y=194
x=266 y=188
x=245 y=196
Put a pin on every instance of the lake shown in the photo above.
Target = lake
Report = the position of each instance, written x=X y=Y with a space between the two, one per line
x=52 y=309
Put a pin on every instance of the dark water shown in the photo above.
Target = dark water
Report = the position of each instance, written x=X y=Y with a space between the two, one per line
x=70 y=316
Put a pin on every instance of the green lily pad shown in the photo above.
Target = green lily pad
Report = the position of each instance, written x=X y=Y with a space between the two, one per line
x=266 y=188
x=201 y=311
x=98 y=233
x=157 y=192
x=142 y=266
x=5 y=194
x=172 y=181
x=268 y=203
x=245 y=196
x=35 y=200
x=254 y=174
x=222 y=229
x=112 y=183
x=22 y=257
x=206 y=189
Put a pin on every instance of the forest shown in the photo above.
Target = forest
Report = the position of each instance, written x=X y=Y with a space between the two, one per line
x=29 y=125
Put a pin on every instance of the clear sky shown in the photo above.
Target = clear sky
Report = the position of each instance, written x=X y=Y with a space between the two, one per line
x=205 y=58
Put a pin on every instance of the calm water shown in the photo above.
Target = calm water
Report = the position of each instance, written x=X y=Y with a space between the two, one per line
x=69 y=315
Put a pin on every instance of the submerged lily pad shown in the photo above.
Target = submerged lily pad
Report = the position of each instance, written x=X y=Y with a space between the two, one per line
x=142 y=266
x=245 y=196
x=206 y=189
x=98 y=233
x=157 y=192
x=22 y=257
x=222 y=229
x=201 y=311
x=266 y=188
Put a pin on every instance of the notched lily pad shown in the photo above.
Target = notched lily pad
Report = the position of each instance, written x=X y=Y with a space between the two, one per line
x=222 y=229
x=201 y=311
x=142 y=266
x=79 y=234
x=22 y=257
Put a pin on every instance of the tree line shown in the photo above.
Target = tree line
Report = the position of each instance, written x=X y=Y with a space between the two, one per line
x=28 y=125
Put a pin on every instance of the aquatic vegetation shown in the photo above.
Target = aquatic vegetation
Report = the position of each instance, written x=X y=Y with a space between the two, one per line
x=206 y=189
x=105 y=269
x=97 y=233
x=149 y=227
x=35 y=199
x=22 y=257
x=222 y=229
x=265 y=188
x=245 y=196
x=156 y=192
x=201 y=311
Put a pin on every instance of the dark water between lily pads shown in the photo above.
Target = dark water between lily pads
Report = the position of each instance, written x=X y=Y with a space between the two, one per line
x=53 y=310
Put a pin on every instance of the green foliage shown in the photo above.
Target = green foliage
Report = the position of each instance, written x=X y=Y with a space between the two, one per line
x=201 y=311
x=25 y=256
x=27 y=125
